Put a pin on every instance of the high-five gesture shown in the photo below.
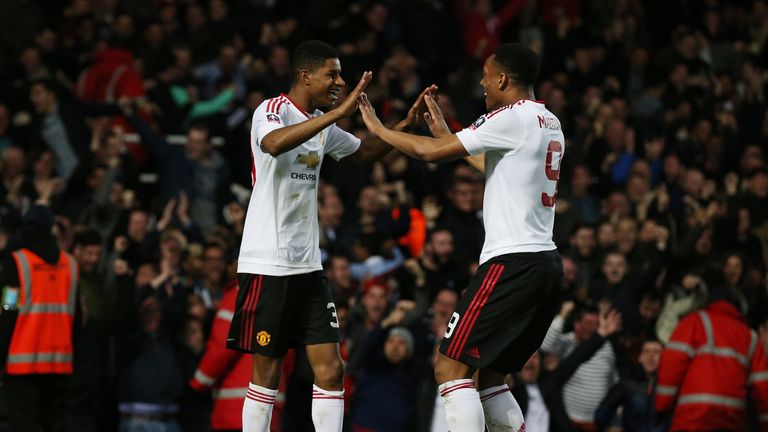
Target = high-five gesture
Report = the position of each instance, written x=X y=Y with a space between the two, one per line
x=370 y=119
x=417 y=110
x=283 y=139
x=434 y=118
x=348 y=107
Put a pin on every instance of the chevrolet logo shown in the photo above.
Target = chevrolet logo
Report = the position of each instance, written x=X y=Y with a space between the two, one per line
x=310 y=160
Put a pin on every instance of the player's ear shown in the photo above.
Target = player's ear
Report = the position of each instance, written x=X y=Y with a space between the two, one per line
x=504 y=81
x=304 y=76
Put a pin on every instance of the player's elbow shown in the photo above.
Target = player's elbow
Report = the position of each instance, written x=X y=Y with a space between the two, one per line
x=271 y=146
x=426 y=155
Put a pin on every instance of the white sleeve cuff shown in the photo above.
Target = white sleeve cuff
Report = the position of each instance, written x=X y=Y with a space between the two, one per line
x=264 y=130
x=470 y=141
x=347 y=150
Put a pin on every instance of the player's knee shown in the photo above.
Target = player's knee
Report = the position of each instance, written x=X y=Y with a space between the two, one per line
x=448 y=369
x=330 y=375
x=266 y=371
x=487 y=379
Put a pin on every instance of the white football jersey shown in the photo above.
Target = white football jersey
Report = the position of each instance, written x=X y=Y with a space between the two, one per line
x=281 y=235
x=523 y=145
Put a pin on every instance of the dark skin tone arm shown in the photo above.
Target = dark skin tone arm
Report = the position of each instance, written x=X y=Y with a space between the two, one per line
x=374 y=148
x=423 y=148
x=439 y=128
x=288 y=138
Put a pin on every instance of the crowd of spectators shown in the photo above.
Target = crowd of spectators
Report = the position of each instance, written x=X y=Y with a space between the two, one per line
x=134 y=117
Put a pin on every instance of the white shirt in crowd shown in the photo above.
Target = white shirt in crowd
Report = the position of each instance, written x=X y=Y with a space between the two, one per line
x=589 y=385
x=537 y=414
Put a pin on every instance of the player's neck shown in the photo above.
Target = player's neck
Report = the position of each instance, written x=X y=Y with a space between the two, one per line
x=514 y=95
x=302 y=100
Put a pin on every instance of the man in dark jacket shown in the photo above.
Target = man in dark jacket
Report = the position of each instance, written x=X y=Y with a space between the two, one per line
x=195 y=168
x=61 y=126
x=100 y=290
x=634 y=394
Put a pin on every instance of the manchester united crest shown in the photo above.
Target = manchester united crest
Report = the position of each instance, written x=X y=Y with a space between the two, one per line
x=263 y=338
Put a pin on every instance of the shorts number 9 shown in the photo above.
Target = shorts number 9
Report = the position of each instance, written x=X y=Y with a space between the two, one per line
x=452 y=325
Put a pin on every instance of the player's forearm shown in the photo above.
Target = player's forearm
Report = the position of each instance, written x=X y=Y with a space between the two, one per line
x=372 y=150
x=478 y=162
x=288 y=138
x=424 y=148
x=415 y=146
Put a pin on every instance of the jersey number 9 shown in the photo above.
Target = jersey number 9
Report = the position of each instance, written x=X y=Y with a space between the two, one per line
x=552 y=174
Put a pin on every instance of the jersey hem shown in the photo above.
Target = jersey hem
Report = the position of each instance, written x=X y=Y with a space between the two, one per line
x=275 y=270
x=487 y=256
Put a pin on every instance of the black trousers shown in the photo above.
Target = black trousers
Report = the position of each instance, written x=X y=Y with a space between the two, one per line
x=38 y=403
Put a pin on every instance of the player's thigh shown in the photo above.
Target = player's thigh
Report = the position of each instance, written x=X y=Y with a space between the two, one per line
x=261 y=321
x=500 y=304
x=314 y=317
x=519 y=349
x=477 y=311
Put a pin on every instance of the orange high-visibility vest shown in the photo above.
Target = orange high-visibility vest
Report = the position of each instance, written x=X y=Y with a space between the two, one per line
x=416 y=236
x=42 y=339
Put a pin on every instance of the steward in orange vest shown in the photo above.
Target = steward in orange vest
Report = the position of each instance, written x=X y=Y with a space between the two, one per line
x=711 y=366
x=40 y=285
x=228 y=372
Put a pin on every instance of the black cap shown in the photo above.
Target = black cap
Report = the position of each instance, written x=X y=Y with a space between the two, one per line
x=38 y=217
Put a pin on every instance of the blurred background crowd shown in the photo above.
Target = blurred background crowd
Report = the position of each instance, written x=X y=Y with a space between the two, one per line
x=133 y=117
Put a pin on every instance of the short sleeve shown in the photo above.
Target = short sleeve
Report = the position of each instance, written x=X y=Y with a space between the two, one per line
x=501 y=130
x=266 y=119
x=340 y=143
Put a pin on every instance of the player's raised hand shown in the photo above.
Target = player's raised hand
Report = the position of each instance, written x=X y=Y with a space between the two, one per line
x=434 y=118
x=370 y=119
x=418 y=109
x=348 y=107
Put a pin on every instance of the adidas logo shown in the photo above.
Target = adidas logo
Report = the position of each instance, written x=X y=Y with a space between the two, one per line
x=473 y=352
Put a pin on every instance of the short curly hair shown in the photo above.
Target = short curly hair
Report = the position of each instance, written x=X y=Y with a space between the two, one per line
x=519 y=61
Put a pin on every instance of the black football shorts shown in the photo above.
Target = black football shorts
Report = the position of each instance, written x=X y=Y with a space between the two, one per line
x=504 y=314
x=275 y=313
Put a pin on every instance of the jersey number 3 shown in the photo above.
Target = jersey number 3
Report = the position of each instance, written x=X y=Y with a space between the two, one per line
x=552 y=174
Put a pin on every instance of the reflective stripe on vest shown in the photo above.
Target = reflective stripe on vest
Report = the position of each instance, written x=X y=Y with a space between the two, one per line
x=39 y=358
x=239 y=393
x=25 y=280
x=710 y=348
x=204 y=379
x=724 y=352
x=109 y=92
x=752 y=344
x=230 y=393
x=758 y=377
x=707 y=328
x=682 y=347
x=663 y=390
x=49 y=308
x=711 y=399
x=225 y=314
